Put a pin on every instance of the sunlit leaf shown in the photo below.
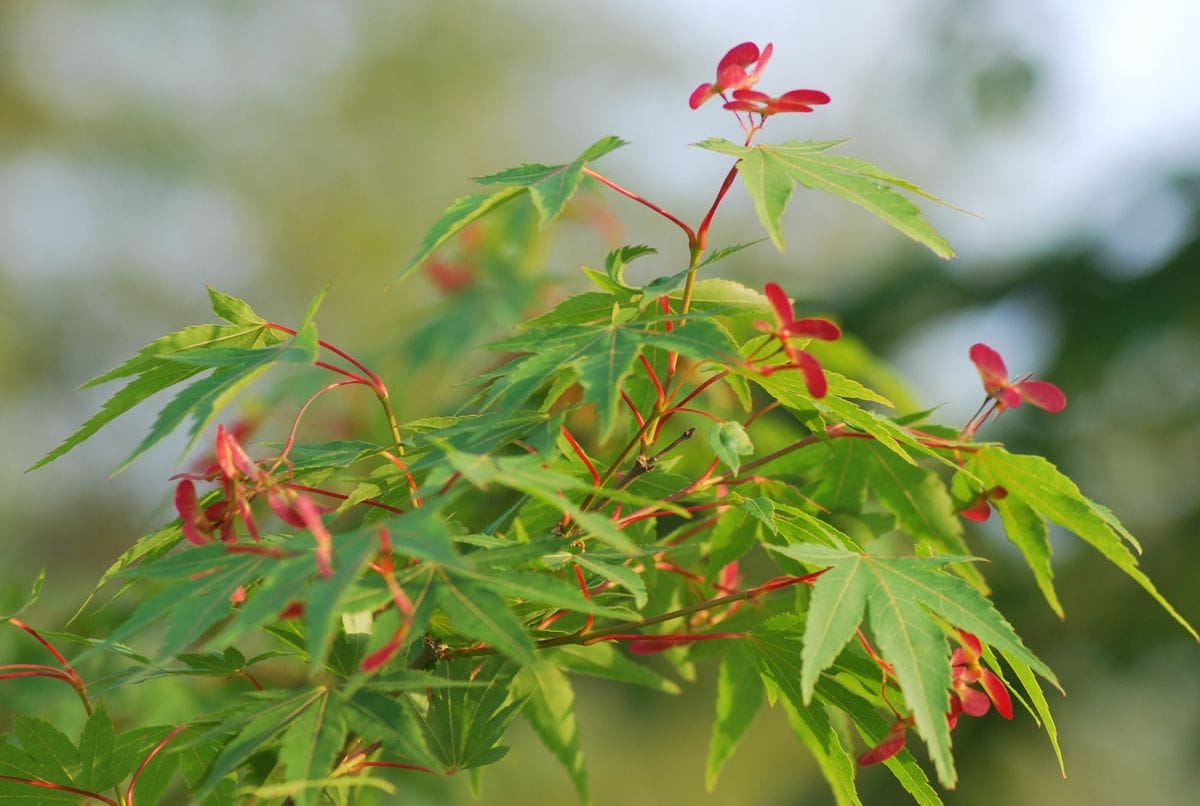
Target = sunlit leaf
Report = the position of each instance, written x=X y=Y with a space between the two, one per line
x=898 y=597
x=1036 y=483
x=770 y=172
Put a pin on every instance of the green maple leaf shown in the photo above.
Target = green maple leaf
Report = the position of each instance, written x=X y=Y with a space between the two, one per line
x=309 y=747
x=550 y=187
x=187 y=613
x=464 y=725
x=921 y=504
x=905 y=601
x=461 y=212
x=1039 y=492
x=103 y=759
x=155 y=374
x=258 y=721
x=770 y=173
x=35 y=591
x=601 y=355
x=527 y=475
x=237 y=353
x=550 y=710
x=730 y=442
x=740 y=695
x=612 y=279
x=838 y=407
x=391 y=720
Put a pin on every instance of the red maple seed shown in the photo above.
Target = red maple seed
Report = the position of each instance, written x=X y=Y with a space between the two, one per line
x=966 y=669
x=788 y=327
x=732 y=73
x=382 y=655
x=890 y=745
x=762 y=104
x=450 y=277
x=195 y=525
x=994 y=374
x=980 y=509
x=242 y=479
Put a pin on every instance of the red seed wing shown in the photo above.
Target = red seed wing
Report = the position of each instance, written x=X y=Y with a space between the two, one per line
x=990 y=365
x=1042 y=394
x=780 y=302
x=812 y=328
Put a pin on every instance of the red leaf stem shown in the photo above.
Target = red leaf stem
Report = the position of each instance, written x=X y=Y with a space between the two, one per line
x=455 y=476
x=374 y=379
x=875 y=656
x=582 y=456
x=354 y=377
x=291 y=438
x=701 y=412
x=265 y=551
x=670 y=567
x=658 y=387
x=644 y=514
x=629 y=194
x=643 y=644
x=641 y=421
x=783 y=582
x=38 y=637
x=587 y=625
x=672 y=356
x=35 y=666
x=47 y=671
x=695 y=530
x=709 y=381
x=772 y=405
x=701 y=239
x=412 y=483
x=675 y=496
x=146 y=761
x=66 y=674
x=60 y=788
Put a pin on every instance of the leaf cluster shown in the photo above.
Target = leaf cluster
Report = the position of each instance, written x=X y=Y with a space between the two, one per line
x=463 y=569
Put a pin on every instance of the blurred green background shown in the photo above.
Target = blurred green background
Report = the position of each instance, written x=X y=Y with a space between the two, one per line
x=267 y=148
